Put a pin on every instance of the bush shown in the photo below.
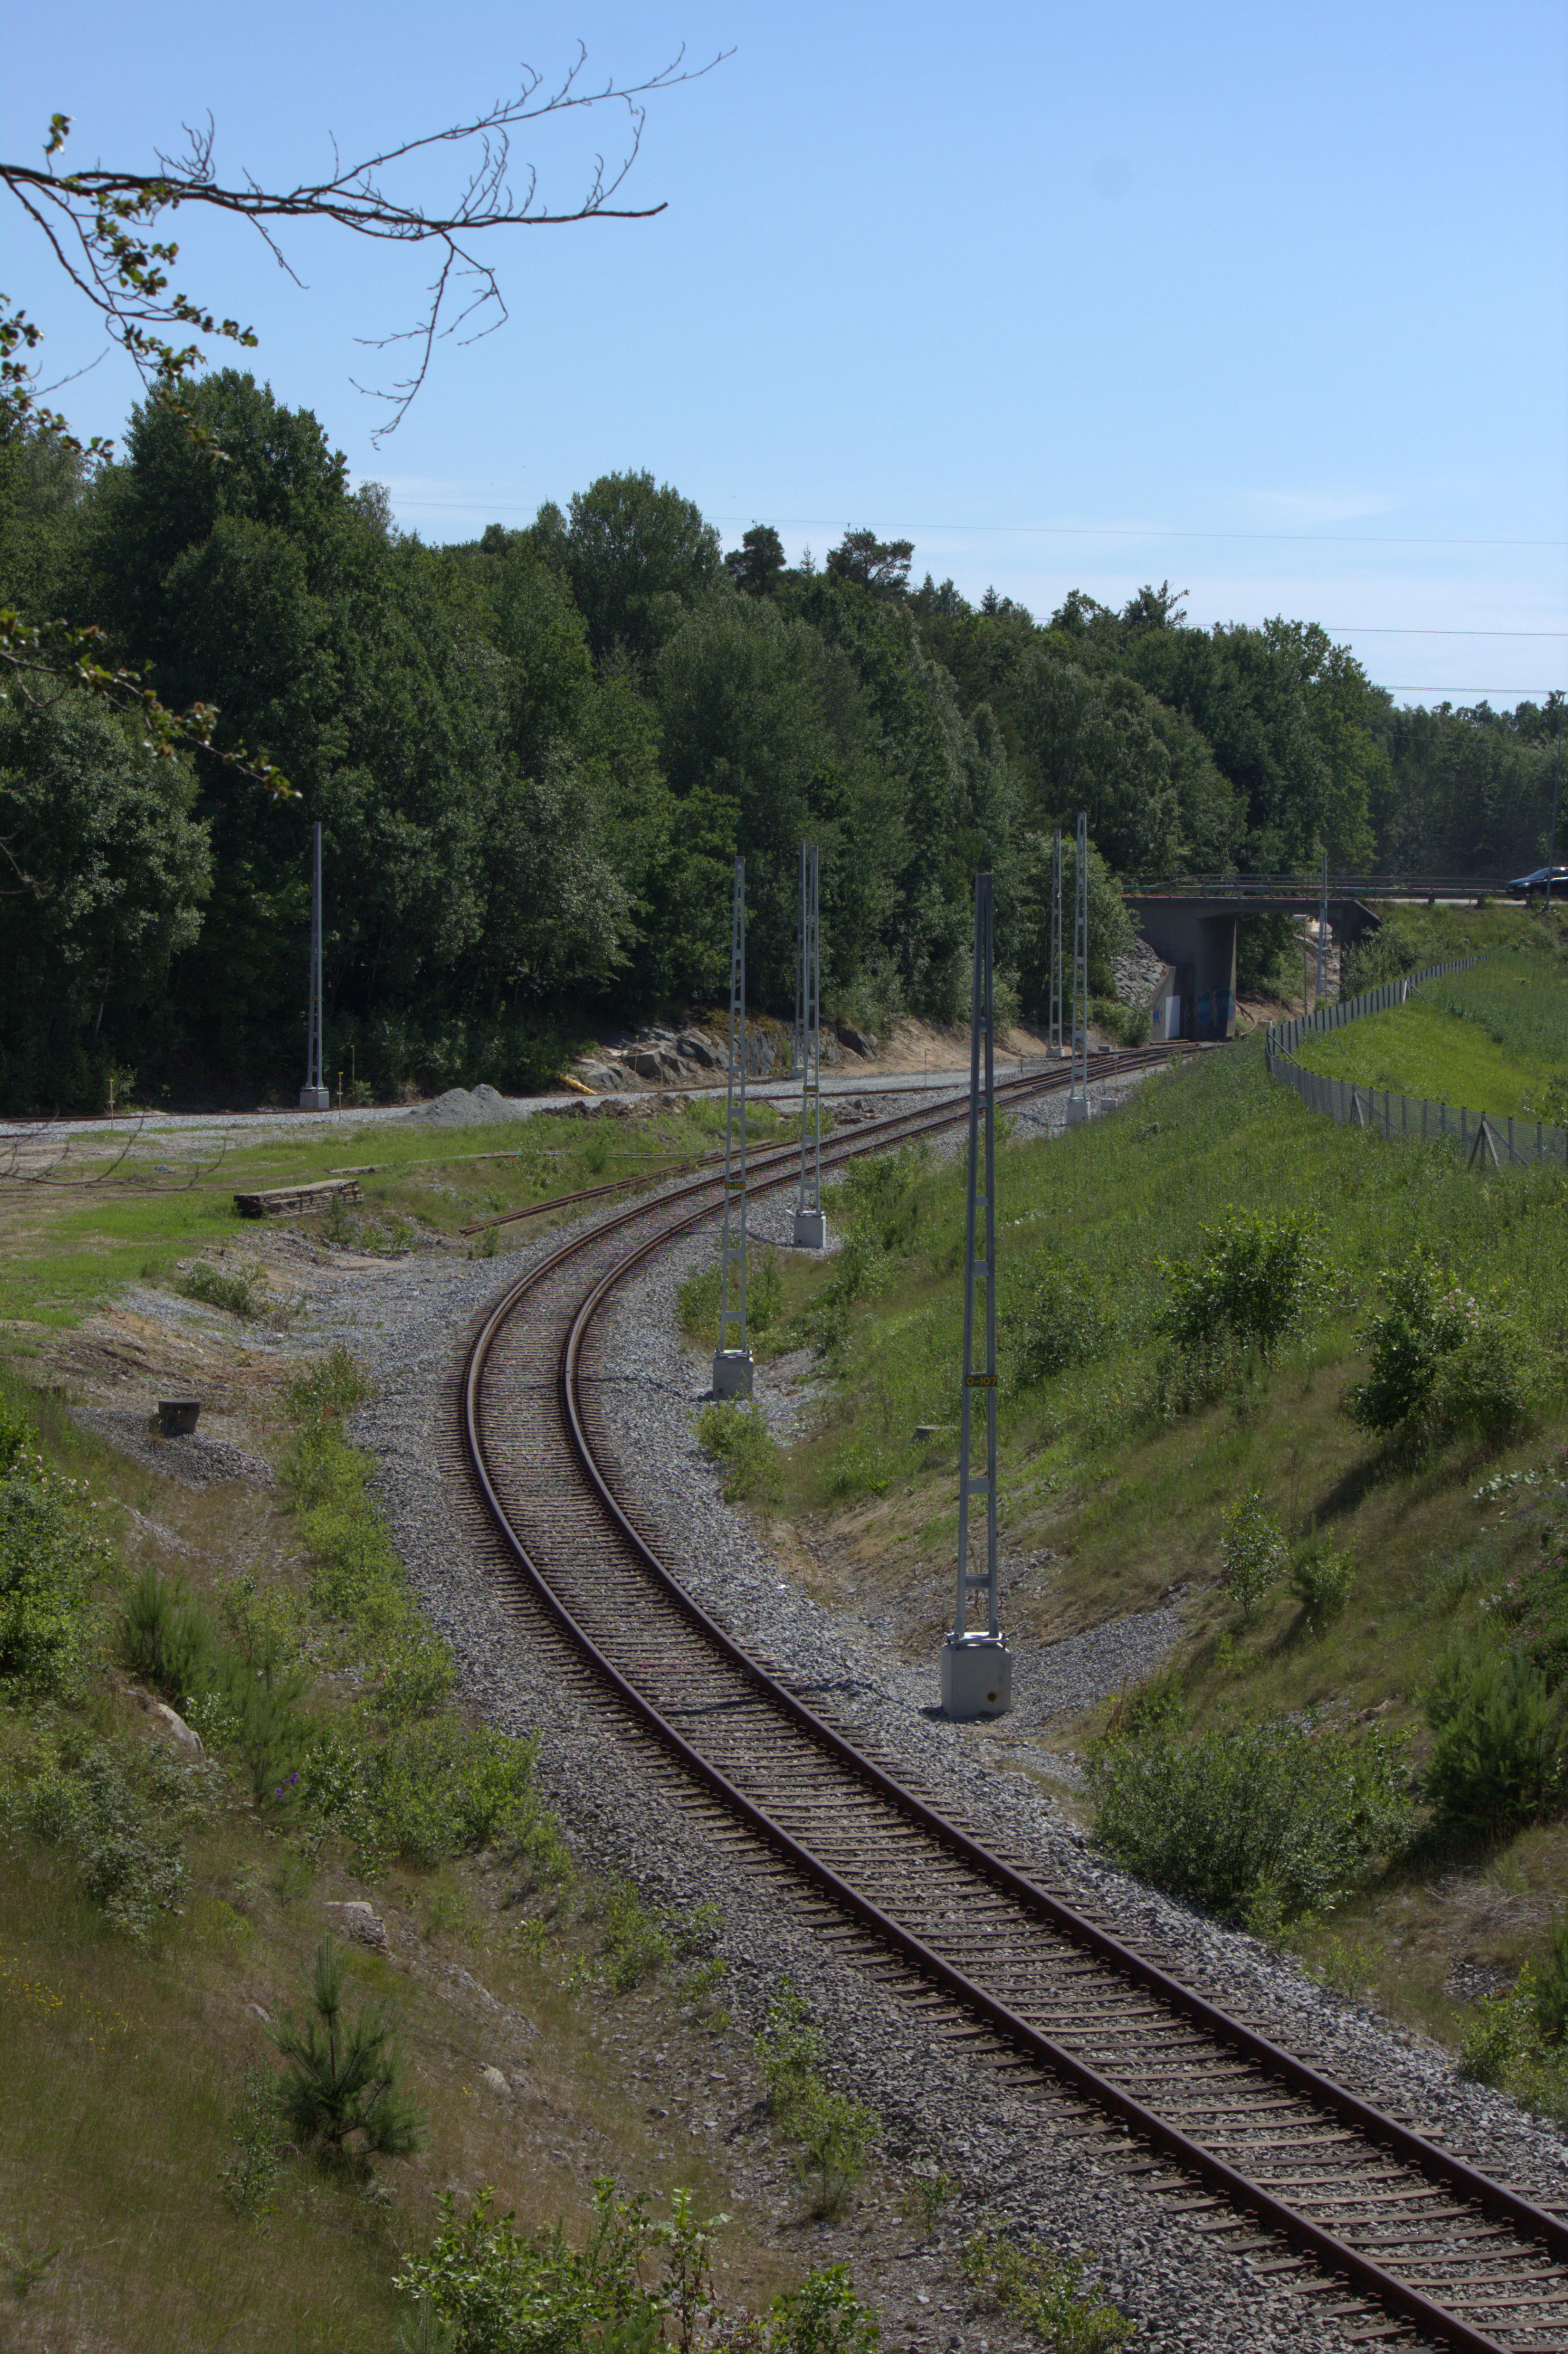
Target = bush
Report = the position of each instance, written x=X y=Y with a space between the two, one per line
x=1320 y=1580
x=1261 y=1823
x=1056 y=1323
x=131 y=1862
x=1044 y=2291
x=1443 y=1360
x=1505 y=2045
x=737 y=1436
x=824 y=2315
x=1552 y=1992
x=339 y=2091
x=242 y=1292
x=1252 y=1552
x=834 y=2133
x=1497 y=1761
x=240 y=1699
x=1255 y=1282
x=49 y=1558
x=501 y=2292
x=430 y=1791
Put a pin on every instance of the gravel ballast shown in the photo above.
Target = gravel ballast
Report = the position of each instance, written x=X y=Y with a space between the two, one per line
x=1008 y=2147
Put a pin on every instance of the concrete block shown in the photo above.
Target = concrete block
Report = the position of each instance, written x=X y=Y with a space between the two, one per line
x=811 y=1229
x=1077 y=1109
x=315 y=1099
x=977 y=1677
x=732 y=1373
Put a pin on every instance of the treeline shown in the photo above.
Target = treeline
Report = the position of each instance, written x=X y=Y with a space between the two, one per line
x=534 y=756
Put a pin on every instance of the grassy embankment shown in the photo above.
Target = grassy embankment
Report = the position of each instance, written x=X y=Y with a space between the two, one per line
x=1109 y=1468
x=154 y=1904
x=63 y=1251
x=1494 y=1039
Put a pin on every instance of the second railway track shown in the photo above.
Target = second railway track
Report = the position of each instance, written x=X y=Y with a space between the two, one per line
x=1242 y=2133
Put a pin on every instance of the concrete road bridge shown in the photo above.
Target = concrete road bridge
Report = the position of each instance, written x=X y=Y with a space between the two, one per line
x=1190 y=922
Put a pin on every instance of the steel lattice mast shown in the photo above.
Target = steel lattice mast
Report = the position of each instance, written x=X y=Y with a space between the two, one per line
x=1078 y=1092
x=314 y=1095
x=732 y=1359
x=977 y=1669
x=811 y=1225
x=1054 y=1040
x=1322 y=932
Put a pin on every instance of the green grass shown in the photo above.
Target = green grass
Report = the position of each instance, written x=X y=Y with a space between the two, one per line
x=64 y=1249
x=1494 y=1040
x=1101 y=1471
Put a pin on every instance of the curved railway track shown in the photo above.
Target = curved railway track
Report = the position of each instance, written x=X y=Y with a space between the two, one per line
x=1247 y=2137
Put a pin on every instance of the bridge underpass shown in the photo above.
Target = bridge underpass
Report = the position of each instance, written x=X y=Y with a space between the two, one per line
x=1191 y=925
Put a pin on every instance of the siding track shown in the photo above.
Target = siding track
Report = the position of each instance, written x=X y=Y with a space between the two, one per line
x=1248 y=2141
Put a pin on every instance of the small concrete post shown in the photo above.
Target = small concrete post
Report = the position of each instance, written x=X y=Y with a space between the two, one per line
x=977 y=1669
x=1077 y=1106
x=314 y=1096
x=811 y=1225
x=732 y=1358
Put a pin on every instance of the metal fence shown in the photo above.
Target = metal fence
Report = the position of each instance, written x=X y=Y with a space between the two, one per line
x=1353 y=1106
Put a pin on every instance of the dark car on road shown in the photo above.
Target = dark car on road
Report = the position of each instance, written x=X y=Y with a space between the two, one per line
x=1525 y=886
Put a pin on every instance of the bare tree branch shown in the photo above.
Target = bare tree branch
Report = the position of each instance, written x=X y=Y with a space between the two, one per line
x=98 y=221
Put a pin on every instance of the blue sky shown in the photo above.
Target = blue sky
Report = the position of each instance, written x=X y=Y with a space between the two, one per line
x=1268 y=300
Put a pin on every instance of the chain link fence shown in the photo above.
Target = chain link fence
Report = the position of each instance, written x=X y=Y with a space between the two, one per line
x=1353 y=1106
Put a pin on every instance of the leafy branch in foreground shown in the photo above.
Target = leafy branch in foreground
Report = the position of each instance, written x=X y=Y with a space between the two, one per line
x=34 y=653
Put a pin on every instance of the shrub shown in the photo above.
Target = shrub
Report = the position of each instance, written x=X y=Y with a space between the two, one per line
x=1442 y=1360
x=1252 y=1552
x=429 y=1791
x=736 y=1435
x=1045 y=2292
x=1497 y=1761
x=789 y=2050
x=1256 y=1280
x=636 y=1943
x=132 y=1862
x=501 y=2293
x=242 y=1292
x=49 y=1557
x=1552 y=1992
x=1263 y=1822
x=249 y=1702
x=1505 y=2045
x=340 y=2090
x=836 y=2135
x=1058 y=1322
x=249 y=2181
x=166 y=1637
x=824 y=2315
x=1320 y=1580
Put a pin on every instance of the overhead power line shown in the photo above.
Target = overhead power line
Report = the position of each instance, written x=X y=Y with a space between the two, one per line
x=1157 y=531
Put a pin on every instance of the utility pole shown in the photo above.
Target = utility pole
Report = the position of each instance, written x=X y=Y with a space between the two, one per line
x=1322 y=933
x=314 y=1095
x=732 y=1358
x=1053 y=1040
x=1556 y=788
x=977 y=1669
x=1078 y=1091
x=811 y=1225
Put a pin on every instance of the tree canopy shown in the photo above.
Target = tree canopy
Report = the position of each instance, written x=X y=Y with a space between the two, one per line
x=535 y=754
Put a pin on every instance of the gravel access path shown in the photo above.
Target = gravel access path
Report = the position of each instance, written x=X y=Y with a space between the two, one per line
x=1019 y=2153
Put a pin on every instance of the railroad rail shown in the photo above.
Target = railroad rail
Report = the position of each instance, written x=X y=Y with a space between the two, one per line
x=1244 y=2136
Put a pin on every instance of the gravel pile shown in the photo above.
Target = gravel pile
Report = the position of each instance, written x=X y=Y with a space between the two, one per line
x=1011 y=2147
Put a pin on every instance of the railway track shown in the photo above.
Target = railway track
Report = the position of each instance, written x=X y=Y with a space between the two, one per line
x=1248 y=2141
